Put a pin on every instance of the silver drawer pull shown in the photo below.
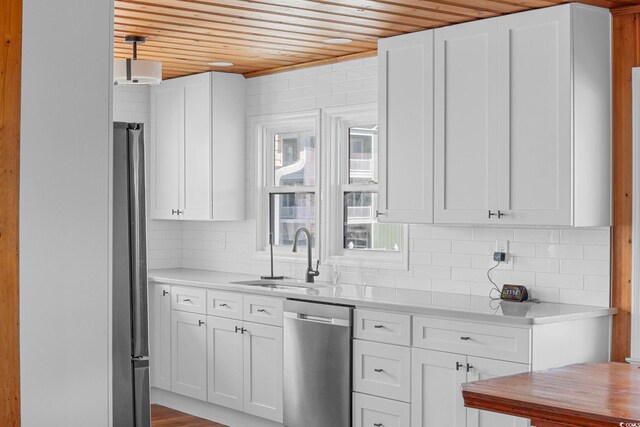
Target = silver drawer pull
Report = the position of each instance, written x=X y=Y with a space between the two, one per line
x=262 y=310
x=378 y=370
x=224 y=305
x=378 y=425
x=200 y=323
x=186 y=300
x=164 y=293
x=378 y=326
x=465 y=338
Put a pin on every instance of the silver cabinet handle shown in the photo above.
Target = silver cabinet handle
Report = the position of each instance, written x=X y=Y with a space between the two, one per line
x=238 y=329
x=262 y=310
x=200 y=323
x=458 y=366
x=378 y=326
x=501 y=214
x=378 y=370
x=378 y=213
x=165 y=293
x=465 y=338
x=186 y=300
x=378 y=425
x=492 y=214
x=180 y=212
x=469 y=367
x=173 y=212
x=223 y=305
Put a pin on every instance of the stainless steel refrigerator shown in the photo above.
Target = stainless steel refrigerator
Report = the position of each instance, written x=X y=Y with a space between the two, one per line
x=131 y=406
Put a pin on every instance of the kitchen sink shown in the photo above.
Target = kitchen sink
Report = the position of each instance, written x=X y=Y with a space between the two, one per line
x=277 y=284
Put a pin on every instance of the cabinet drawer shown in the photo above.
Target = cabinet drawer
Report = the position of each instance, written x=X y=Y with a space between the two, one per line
x=474 y=339
x=371 y=411
x=382 y=369
x=263 y=310
x=224 y=304
x=384 y=327
x=189 y=299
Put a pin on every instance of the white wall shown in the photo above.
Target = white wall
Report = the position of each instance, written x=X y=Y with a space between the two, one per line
x=64 y=212
x=559 y=265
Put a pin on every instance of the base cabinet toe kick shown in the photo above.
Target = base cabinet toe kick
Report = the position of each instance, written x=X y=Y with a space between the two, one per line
x=252 y=360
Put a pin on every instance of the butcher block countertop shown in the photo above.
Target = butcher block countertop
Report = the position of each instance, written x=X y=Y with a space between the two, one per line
x=585 y=395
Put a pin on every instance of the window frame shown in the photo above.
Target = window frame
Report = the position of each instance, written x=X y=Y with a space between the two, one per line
x=336 y=123
x=263 y=129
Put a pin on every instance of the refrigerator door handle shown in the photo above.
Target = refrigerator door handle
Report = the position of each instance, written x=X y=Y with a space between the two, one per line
x=137 y=229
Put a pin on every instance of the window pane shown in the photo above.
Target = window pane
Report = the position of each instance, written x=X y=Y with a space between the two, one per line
x=361 y=228
x=290 y=212
x=295 y=158
x=363 y=154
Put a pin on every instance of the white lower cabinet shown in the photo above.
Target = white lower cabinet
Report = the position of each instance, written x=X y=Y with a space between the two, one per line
x=160 y=335
x=224 y=362
x=263 y=358
x=189 y=354
x=371 y=411
x=436 y=394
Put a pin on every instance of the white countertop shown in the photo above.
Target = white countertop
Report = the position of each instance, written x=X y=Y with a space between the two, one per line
x=465 y=307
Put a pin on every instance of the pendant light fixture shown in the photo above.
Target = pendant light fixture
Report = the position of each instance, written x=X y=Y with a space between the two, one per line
x=134 y=71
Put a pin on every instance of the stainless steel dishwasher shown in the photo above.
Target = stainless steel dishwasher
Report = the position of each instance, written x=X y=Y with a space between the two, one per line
x=317 y=364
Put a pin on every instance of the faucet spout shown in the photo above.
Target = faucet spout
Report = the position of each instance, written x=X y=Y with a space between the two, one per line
x=311 y=273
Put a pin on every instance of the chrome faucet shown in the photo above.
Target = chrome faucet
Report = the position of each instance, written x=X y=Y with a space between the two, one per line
x=311 y=273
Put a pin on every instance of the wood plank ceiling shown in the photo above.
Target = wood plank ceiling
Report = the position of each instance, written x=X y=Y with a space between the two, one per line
x=266 y=36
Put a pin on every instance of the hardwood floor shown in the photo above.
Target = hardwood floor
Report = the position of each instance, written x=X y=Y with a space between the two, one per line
x=161 y=416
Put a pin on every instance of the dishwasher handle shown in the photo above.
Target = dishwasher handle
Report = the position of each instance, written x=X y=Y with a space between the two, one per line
x=317 y=319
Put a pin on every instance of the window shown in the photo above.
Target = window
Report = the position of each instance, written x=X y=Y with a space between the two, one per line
x=287 y=181
x=327 y=183
x=351 y=169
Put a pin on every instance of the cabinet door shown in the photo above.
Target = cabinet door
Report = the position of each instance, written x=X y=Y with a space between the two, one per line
x=535 y=120
x=224 y=362
x=196 y=200
x=263 y=385
x=436 y=398
x=189 y=354
x=465 y=122
x=482 y=369
x=406 y=128
x=166 y=150
x=160 y=335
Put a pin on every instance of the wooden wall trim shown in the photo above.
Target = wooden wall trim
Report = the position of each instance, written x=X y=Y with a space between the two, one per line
x=626 y=10
x=10 y=78
x=625 y=46
x=359 y=55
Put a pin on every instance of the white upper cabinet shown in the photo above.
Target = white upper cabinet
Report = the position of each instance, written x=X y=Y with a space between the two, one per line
x=197 y=148
x=406 y=128
x=465 y=122
x=554 y=126
x=521 y=122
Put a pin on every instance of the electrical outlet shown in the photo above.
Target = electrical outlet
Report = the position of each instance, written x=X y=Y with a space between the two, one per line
x=503 y=246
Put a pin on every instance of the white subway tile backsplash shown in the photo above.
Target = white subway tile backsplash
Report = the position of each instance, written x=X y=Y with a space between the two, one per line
x=556 y=264
x=563 y=281
x=424 y=245
x=536 y=235
x=585 y=237
x=476 y=248
x=560 y=251
x=587 y=268
x=599 y=253
x=492 y=234
x=452 y=260
x=452 y=233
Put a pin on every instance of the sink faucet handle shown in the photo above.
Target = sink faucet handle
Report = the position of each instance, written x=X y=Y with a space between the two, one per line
x=316 y=272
